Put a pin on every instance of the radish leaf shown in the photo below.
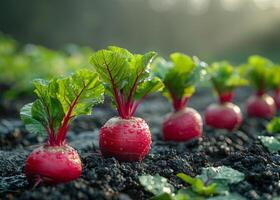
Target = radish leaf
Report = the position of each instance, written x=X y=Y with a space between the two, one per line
x=179 y=75
x=59 y=101
x=126 y=77
x=224 y=78
x=274 y=125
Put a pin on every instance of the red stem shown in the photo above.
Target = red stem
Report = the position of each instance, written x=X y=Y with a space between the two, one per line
x=225 y=97
x=179 y=104
x=260 y=92
x=60 y=140
x=131 y=107
x=277 y=91
x=116 y=93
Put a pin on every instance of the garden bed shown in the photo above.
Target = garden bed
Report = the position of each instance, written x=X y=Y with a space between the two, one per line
x=110 y=179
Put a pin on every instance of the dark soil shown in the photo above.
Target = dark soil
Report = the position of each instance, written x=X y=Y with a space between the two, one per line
x=110 y=179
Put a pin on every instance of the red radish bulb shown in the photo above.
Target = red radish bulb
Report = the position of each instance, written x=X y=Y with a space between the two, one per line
x=128 y=80
x=276 y=98
x=224 y=115
x=58 y=99
x=53 y=164
x=261 y=105
x=183 y=125
x=125 y=139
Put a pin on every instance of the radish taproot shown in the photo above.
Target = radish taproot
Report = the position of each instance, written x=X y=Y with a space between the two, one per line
x=59 y=101
x=258 y=72
x=225 y=114
x=179 y=77
x=127 y=79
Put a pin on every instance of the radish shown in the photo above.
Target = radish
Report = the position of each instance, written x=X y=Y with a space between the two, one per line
x=179 y=77
x=59 y=102
x=225 y=114
x=259 y=72
x=275 y=84
x=276 y=97
x=127 y=79
x=261 y=105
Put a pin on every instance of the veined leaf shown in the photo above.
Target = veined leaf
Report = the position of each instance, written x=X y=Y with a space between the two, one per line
x=180 y=75
x=32 y=125
x=224 y=77
x=83 y=87
x=59 y=101
x=126 y=77
x=257 y=71
x=148 y=87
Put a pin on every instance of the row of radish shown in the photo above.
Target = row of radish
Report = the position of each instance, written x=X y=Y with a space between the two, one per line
x=128 y=78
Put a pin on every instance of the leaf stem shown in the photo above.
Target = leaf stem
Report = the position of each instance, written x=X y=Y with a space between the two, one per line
x=60 y=140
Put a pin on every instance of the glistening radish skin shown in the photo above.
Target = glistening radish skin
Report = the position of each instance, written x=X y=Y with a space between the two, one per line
x=276 y=97
x=275 y=84
x=186 y=123
x=261 y=105
x=259 y=71
x=59 y=102
x=130 y=138
x=225 y=114
x=179 y=77
x=128 y=81
x=53 y=164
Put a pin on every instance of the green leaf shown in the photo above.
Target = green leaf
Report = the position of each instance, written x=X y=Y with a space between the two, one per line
x=231 y=196
x=271 y=143
x=275 y=77
x=112 y=65
x=32 y=125
x=180 y=75
x=157 y=185
x=192 y=195
x=198 y=185
x=164 y=196
x=126 y=77
x=274 y=125
x=60 y=100
x=85 y=86
x=148 y=87
x=224 y=173
x=224 y=77
x=257 y=71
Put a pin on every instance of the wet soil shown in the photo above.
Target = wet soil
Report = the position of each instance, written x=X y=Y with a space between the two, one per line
x=110 y=179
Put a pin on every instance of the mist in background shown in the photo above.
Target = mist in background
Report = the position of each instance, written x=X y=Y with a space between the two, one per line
x=210 y=29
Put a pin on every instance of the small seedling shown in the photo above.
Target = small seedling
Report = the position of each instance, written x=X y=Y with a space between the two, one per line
x=212 y=184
